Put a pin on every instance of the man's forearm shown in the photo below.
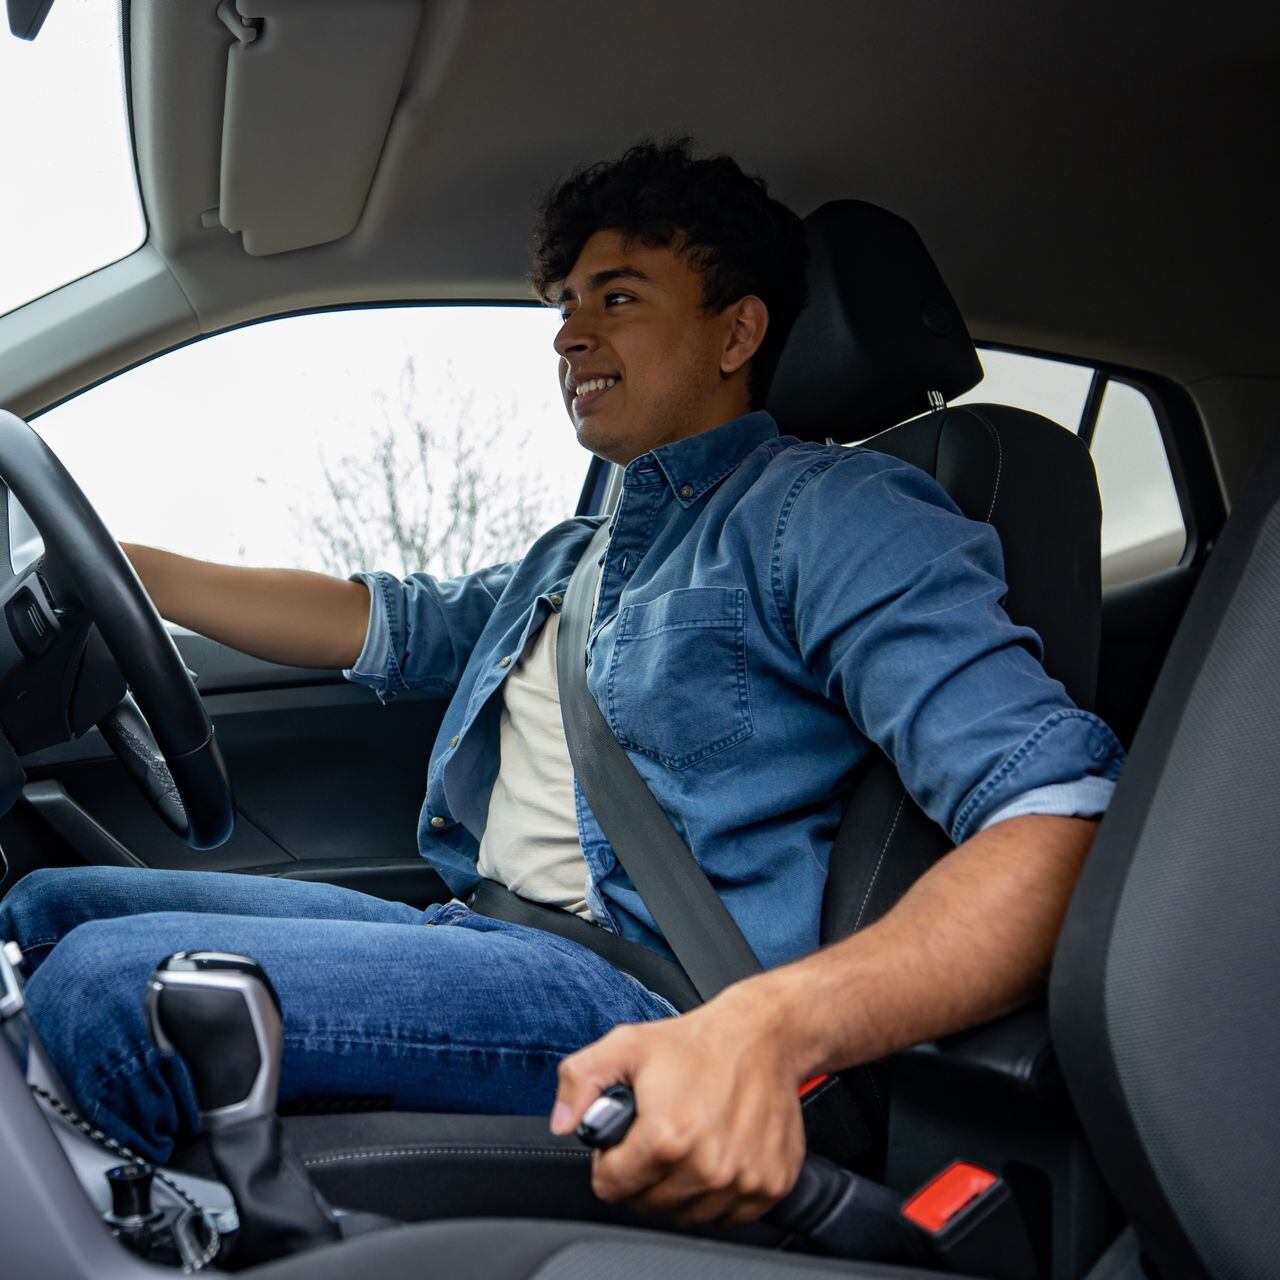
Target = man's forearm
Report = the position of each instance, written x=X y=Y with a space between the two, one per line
x=971 y=940
x=719 y=1135
x=282 y=615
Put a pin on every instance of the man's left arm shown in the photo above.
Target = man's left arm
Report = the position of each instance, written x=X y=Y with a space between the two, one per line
x=719 y=1135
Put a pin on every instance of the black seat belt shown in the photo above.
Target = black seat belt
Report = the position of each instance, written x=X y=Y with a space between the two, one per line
x=695 y=922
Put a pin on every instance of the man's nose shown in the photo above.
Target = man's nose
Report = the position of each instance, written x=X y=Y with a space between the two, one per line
x=576 y=335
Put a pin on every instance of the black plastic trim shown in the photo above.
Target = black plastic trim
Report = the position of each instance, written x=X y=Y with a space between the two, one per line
x=1016 y=1051
x=1092 y=403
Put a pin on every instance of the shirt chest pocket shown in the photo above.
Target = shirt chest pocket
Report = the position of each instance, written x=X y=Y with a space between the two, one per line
x=677 y=685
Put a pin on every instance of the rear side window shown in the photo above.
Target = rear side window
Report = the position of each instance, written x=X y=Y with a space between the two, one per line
x=1056 y=389
x=1143 y=528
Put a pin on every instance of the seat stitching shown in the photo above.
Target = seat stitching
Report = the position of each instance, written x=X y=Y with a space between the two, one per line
x=397 y=1152
x=871 y=884
x=875 y=1088
x=995 y=435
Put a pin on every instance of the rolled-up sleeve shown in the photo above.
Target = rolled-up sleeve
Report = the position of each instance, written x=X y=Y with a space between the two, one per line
x=906 y=628
x=422 y=629
x=1084 y=798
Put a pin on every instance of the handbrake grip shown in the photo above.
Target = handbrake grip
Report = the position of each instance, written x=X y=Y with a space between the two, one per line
x=839 y=1212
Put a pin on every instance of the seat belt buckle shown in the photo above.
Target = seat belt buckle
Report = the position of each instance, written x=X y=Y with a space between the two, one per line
x=972 y=1223
x=834 y=1125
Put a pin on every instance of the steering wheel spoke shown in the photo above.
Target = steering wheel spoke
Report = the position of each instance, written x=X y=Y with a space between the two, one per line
x=127 y=733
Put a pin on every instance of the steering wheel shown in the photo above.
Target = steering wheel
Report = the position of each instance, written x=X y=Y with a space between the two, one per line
x=165 y=738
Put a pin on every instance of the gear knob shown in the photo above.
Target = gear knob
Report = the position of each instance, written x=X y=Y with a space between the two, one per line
x=220 y=1013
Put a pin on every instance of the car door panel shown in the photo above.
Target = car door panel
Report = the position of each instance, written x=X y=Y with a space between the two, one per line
x=328 y=782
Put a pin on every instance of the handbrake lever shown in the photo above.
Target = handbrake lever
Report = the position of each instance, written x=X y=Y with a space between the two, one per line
x=839 y=1212
x=842 y=1214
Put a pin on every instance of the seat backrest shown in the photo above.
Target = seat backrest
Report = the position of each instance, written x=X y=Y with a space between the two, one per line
x=1165 y=991
x=881 y=339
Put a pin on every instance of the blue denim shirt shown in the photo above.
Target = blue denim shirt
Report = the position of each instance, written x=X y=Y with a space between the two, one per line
x=768 y=609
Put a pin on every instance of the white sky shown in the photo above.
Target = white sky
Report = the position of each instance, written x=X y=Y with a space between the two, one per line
x=68 y=199
x=161 y=451
x=217 y=450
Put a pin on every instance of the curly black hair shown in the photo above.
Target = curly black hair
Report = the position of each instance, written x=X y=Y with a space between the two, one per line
x=722 y=220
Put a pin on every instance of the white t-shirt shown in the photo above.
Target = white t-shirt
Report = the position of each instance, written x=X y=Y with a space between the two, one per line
x=530 y=841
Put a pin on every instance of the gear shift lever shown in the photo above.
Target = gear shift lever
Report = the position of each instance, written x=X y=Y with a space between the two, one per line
x=221 y=1015
x=202 y=999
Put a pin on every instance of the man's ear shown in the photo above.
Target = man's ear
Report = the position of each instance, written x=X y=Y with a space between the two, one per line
x=748 y=320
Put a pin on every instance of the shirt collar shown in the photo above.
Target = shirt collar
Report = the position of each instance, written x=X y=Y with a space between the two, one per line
x=693 y=465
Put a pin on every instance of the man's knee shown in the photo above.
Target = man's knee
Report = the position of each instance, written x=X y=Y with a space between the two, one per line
x=29 y=911
x=94 y=965
x=38 y=885
x=49 y=903
x=88 y=1002
x=88 y=999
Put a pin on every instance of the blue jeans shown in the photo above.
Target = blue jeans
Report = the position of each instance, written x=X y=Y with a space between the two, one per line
x=436 y=1010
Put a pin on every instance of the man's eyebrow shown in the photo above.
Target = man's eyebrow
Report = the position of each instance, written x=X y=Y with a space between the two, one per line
x=598 y=280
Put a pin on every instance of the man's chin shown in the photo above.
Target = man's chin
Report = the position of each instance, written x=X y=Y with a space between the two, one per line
x=595 y=437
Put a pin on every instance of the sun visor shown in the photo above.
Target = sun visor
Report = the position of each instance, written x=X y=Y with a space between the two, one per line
x=311 y=88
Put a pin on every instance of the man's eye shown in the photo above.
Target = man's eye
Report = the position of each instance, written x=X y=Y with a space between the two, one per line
x=611 y=298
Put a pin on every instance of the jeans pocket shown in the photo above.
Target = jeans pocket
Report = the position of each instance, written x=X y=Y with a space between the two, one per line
x=677 y=687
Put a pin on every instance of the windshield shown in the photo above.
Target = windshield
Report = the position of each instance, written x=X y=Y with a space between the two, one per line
x=70 y=198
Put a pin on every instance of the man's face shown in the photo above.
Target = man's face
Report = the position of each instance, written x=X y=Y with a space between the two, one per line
x=640 y=356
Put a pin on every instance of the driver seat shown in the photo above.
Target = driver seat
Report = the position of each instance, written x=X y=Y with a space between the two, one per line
x=880 y=340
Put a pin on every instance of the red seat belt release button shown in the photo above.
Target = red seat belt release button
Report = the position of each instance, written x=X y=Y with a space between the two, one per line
x=810 y=1085
x=942 y=1199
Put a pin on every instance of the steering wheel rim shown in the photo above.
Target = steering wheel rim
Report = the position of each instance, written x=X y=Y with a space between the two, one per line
x=143 y=649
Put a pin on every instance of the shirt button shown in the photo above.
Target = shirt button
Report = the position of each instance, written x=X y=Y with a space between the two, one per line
x=437 y=821
x=506 y=662
x=453 y=742
x=557 y=600
x=686 y=491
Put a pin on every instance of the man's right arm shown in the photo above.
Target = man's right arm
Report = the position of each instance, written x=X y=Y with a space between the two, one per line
x=289 y=616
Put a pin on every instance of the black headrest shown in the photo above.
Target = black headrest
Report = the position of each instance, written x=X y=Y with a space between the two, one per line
x=879 y=332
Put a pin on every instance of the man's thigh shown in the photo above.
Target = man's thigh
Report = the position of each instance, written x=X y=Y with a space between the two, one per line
x=46 y=905
x=461 y=1015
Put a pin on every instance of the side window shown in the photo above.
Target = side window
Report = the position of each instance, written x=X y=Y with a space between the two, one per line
x=1143 y=531
x=397 y=438
x=1142 y=527
x=1056 y=389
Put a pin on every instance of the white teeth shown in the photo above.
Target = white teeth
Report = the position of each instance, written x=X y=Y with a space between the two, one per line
x=594 y=384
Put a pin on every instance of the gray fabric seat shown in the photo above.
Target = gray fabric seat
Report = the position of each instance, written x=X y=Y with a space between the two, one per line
x=525 y=1250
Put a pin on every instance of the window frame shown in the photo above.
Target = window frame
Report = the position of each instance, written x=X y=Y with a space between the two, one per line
x=378 y=304
x=1186 y=446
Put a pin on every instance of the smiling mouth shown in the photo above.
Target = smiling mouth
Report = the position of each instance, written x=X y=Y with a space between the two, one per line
x=591 y=391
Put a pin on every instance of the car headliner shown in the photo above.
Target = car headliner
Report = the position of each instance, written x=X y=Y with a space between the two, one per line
x=1093 y=179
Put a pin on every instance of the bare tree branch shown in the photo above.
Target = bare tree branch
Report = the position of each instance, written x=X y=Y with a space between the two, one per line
x=431 y=494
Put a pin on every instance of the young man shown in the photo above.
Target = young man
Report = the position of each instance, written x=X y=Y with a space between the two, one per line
x=745 y=668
